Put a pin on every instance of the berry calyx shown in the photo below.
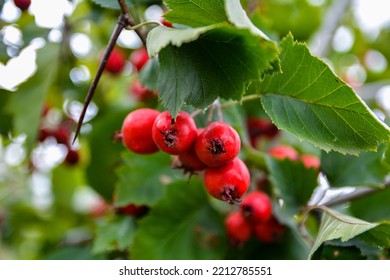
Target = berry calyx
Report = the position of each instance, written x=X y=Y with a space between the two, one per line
x=310 y=161
x=22 y=4
x=256 y=207
x=269 y=231
x=284 y=152
x=237 y=228
x=137 y=131
x=174 y=136
x=218 y=144
x=115 y=62
x=139 y=58
x=228 y=182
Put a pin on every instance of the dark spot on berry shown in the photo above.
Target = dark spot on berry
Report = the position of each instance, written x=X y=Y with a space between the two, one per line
x=216 y=147
x=229 y=195
x=170 y=137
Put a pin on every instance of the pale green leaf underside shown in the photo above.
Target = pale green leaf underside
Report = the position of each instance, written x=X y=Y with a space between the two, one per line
x=313 y=104
x=195 y=13
x=335 y=225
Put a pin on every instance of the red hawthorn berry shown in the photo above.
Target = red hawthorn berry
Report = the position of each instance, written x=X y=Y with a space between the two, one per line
x=44 y=133
x=269 y=231
x=218 y=144
x=190 y=161
x=174 y=136
x=137 y=131
x=141 y=93
x=139 y=58
x=22 y=4
x=62 y=135
x=132 y=210
x=256 y=207
x=166 y=23
x=72 y=157
x=116 y=62
x=261 y=127
x=310 y=161
x=228 y=182
x=237 y=227
x=284 y=152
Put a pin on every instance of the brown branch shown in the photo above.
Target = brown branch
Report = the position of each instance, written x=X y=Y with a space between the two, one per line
x=111 y=44
x=130 y=21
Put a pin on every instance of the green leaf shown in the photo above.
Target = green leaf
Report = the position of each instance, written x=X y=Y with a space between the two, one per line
x=5 y=118
x=293 y=183
x=378 y=236
x=313 y=104
x=346 y=170
x=195 y=13
x=149 y=74
x=183 y=225
x=114 y=234
x=335 y=225
x=25 y=105
x=142 y=178
x=202 y=64
x=373 y=208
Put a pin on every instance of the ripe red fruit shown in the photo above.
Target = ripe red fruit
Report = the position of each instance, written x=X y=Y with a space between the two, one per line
x=132 y=210
x=237 y=228
x=141 y=93
x=228 y=182
x=137 y=131
x=284 y=152
x=190 y=161
x=115 y=62
x=256 y=207
x=261 y=127
x=269 y=231
x=62 y=134
x=174 y=136
x=310 y=161
x=218 y=144
x=139 y=58
x=22 y=4
x=72 y=157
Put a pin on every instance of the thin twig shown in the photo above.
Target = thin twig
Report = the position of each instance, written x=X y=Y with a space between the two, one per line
x=130 y=21
x=111 y=44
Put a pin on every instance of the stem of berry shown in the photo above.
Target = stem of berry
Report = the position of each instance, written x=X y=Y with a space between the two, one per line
x=111 y=44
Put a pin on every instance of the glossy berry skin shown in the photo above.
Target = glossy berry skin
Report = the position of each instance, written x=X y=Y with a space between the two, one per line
x=137 y=131
x=115 y=62
x=228 y=182
x=310 y=161
x=174 y=136
x=22 y=4
x=190 y=161
x=284 y=152
x=139 y=58
x=269 y=231
x=237 y=227
x=218 y=144
x=256 y=207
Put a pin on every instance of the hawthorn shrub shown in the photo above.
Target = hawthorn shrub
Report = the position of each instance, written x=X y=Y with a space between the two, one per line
x=217 y=135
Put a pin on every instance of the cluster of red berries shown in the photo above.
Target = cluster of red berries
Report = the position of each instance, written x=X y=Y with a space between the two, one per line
x=288 y=152
x=117 y=60
x=213 y=149
x=22 y=4
x=61 y=133
x=254 y=218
